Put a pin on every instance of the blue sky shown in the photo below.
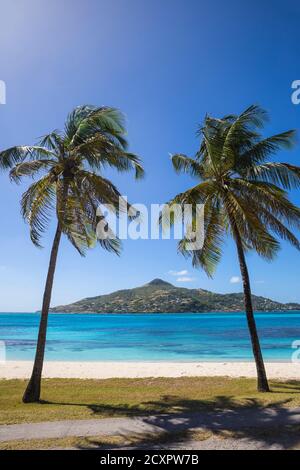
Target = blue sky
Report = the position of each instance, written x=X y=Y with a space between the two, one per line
x=164 y=64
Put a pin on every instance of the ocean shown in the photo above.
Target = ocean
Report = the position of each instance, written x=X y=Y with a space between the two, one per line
x=150 y=337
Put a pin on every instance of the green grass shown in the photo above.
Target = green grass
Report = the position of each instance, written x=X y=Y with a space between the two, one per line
x=103 y=442
x=64 y=443
x=84 y=399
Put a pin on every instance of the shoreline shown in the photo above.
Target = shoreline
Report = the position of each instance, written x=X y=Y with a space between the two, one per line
x=210 y=312
x=113 y=369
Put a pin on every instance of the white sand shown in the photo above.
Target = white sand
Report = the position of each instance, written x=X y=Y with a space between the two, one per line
x=104 y=370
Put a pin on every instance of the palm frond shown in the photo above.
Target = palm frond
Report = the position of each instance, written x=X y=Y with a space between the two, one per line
x=250 y=227
x=182 y=163
x=268 y=196
x=278 y=227
x=52 y=141
x=15 y=155
x=210 y=254
x=36 y=206
x=85 y=123
x=282 y=174
x=30 y=168
x=259 y=151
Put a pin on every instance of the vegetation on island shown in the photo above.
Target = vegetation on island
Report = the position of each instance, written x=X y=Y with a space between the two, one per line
x=159 y=296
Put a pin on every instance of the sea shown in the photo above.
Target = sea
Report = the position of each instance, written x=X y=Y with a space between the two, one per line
x=186 y=337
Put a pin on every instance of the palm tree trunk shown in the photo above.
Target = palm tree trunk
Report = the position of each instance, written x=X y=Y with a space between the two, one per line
x=33 y=389
x=262 y=381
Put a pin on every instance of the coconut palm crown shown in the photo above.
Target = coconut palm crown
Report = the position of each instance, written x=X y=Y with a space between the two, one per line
x=72 y=182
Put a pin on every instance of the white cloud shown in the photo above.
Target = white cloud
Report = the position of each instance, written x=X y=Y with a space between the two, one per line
x=185 y=279
x=184 y=272
x=235 y=280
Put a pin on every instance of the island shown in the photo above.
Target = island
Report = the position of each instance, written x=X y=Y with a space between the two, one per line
x=159 y=296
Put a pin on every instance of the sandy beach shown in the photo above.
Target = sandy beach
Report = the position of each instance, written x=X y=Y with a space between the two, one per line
x=105 y=370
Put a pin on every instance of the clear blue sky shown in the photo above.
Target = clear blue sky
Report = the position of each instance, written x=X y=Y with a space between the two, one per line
x=165 y=64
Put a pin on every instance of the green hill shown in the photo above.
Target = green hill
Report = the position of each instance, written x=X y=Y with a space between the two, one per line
x=159 y=296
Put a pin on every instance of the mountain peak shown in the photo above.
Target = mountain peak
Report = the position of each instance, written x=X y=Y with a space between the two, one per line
x=159 y=283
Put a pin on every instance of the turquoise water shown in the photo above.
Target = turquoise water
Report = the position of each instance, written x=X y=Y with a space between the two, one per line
x=150 y=337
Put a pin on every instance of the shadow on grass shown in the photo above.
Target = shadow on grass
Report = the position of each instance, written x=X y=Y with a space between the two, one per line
x=291 y=386
x=173 y=421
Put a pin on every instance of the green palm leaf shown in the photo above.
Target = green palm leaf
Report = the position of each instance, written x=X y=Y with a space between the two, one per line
x=15 y=155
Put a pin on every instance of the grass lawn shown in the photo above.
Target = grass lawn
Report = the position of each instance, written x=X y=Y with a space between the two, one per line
x=85 y=399
x=64 y=443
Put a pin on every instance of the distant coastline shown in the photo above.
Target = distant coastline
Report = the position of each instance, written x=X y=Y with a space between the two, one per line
x=230 y=312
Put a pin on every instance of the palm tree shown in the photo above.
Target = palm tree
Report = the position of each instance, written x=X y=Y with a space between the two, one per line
x=70 y=166
x=242 y=195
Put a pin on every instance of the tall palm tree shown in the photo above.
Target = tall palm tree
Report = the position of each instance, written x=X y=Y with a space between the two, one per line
x=69 y=165
x=243 y=195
